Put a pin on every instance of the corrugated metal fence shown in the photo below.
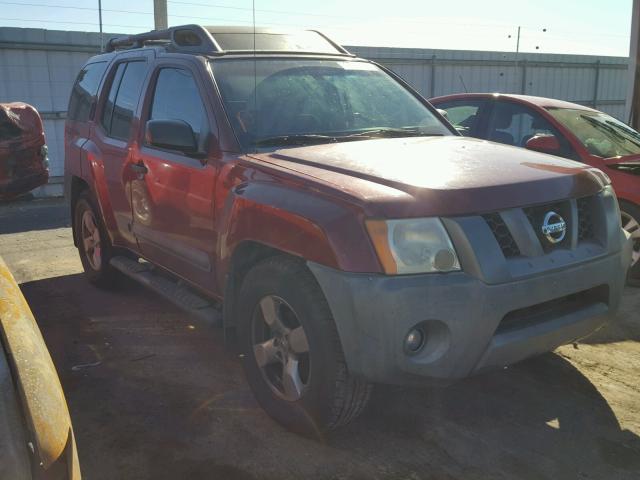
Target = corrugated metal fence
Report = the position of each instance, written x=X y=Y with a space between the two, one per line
x=39 y=67
x=598 y=82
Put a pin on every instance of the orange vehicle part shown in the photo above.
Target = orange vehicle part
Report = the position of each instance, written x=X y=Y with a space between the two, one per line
x=40 y=393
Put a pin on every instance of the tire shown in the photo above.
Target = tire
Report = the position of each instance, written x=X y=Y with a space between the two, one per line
x=328 y=396
x=96 y=265
x=630 y=214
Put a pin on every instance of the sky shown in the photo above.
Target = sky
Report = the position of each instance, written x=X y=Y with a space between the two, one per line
x=591 y=27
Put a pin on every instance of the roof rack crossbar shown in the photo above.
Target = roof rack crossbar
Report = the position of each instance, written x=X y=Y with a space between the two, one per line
x=189 y=38
x=338 y=47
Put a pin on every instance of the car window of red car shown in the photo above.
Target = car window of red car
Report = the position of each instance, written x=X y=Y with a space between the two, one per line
x=463 y=114
x=514 y=124
x=601 y=134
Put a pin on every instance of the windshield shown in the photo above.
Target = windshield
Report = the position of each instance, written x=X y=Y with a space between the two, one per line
x=600 y=133
x=280 y=102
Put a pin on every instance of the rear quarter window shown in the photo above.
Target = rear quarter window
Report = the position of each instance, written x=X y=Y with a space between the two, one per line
x=83 y=94
x=123 y=98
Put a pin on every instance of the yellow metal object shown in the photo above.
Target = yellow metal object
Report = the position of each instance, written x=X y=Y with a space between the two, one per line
x=44 y=405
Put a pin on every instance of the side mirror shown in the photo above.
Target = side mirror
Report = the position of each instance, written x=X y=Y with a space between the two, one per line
x=172 y=135
x=543 y=143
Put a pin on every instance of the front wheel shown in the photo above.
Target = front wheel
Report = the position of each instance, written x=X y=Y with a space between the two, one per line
x=630 y=218
x=92 y=241
x=292 y=354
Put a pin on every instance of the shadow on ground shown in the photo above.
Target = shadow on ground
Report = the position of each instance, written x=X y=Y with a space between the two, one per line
x=154 y=394
x=25 y=216
x=626 y=325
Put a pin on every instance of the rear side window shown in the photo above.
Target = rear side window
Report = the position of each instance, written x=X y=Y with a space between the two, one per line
x=84 y=91
x=123 y=99
x=463 y=114
x=176 y=97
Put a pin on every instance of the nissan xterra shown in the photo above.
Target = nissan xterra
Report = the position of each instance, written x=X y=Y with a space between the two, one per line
x=347 y=232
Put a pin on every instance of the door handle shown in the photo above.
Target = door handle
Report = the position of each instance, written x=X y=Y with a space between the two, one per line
x=138 y=168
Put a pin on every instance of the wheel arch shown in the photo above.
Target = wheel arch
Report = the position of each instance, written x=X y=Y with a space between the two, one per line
x=77 y=185
x=245 y=256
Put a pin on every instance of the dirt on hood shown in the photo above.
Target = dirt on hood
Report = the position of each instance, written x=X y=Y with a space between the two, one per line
x=23 y=156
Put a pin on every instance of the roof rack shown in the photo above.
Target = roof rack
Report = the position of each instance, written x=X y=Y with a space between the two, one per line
x=199 y=39
x=186 y=38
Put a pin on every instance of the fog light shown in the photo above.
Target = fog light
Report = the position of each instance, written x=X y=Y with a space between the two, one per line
x=414 y=341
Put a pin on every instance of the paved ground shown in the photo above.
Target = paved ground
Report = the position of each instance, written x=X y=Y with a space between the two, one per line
x=166 y=400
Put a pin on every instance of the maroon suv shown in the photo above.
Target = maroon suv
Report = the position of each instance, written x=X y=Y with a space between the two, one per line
x=319 y=209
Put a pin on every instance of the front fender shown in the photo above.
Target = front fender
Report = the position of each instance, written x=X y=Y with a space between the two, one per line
x=303 y=223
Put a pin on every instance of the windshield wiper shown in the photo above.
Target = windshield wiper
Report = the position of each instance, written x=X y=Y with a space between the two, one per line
x=609 y=129
x=287 y=140
x=311 y=139
x=389 y=133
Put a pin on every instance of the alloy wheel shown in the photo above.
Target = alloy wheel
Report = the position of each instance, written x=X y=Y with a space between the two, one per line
x=91 y=240
x=631 y=225
x=280 y=348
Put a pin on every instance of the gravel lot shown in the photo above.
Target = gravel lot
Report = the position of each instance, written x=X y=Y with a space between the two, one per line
x=155 y=394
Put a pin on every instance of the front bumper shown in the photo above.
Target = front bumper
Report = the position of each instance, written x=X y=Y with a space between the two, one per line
x=464 y=317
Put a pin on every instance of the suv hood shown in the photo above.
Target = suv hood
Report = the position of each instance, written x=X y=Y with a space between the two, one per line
x=439 y=175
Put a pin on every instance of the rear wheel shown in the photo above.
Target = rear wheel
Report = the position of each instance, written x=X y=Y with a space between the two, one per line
x=293 y=358
x=630 y=218
x=93 y=243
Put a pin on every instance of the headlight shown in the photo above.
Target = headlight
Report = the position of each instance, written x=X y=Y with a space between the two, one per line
x=413 y=245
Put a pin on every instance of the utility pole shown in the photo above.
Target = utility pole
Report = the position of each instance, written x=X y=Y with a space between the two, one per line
x=632 y=104
x=100 y=22
x=515 y=58
x=160 y=14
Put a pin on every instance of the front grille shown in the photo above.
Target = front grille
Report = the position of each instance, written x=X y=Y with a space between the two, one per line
x=536 y=216
x=581 y=225
x=552 y=309
x=503 y=235
x=585 y=219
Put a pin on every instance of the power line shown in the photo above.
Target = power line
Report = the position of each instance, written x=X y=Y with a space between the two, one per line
x=210 y=5
x=563 y=34
x=70 y=7
x=70 y=22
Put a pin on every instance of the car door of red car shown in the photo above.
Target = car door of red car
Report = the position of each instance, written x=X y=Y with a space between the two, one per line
x=514 y=123
x=172 y=196
x=116 y=122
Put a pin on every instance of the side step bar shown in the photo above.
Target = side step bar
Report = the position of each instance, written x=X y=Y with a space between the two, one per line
x=173 y=290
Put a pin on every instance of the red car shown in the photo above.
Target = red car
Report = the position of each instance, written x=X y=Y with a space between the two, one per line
x=559 y=128
x=23 y=153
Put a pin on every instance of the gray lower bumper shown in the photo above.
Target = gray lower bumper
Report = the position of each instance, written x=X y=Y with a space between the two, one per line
x=461 y=316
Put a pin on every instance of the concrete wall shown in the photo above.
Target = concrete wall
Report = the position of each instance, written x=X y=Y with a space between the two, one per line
x=39 y=67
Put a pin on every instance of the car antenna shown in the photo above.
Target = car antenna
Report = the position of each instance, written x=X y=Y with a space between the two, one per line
x=255 y=74
x=463 y=85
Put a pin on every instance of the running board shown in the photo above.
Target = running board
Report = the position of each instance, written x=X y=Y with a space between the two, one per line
x=173 y=290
